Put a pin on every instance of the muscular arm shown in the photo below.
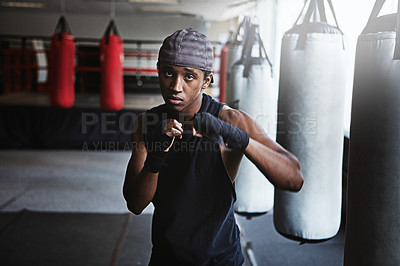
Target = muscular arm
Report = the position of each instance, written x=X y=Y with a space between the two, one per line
x=142 y=172
x=280 y=167
x=140 y=184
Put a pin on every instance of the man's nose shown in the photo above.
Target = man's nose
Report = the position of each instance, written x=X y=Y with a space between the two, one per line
x=176 y=85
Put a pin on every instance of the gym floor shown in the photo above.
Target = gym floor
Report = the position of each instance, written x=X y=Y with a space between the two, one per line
x=64 y=207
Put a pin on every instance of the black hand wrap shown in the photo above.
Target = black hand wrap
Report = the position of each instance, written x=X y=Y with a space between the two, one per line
x=156 y=141
x=212 y=127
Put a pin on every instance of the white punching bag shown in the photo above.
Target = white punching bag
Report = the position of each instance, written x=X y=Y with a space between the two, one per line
x=310 y=125
x=256 y=96
x=235 y=49
x=373 y=209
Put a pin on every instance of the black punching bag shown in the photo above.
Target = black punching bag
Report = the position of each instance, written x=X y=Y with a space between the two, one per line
x=373 y=209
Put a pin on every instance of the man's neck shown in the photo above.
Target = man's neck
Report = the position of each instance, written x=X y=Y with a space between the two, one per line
x=187 y=114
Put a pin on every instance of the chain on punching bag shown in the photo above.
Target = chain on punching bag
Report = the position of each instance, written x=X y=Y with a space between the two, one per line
x=61 y=66
x=373 y=209
x=310 y=124
x=255 y=92
x=111 y=58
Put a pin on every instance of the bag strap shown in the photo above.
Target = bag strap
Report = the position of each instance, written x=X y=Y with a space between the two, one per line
x=301 y=42
x=236 y=34
x=316 y=8
x=333 y=13
x=248 y=46
x=375 y=11
x=397 y=47
x=313 y=7
x=301 y=13
x=374 y=14
x=62 y=27
x=242 y=26
x=321 y=10
x=336 y=21
x=111 y=29
x=253 y=37
x=262 y=49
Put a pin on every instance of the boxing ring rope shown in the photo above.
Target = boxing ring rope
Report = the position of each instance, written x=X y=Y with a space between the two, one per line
x=25 y=66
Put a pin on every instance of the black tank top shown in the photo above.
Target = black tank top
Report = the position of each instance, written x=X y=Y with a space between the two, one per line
x=193 y=221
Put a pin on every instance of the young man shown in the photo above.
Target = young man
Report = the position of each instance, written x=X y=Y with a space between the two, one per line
x=186 y=156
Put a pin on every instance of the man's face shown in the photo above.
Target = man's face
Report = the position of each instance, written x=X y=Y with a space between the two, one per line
x=181 y=87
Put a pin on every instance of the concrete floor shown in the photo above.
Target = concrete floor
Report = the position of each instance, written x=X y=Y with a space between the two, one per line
x=87 y=182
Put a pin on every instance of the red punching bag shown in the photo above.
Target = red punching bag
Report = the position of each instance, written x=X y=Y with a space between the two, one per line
x=61 y=66
x=112 y=57
x=222 y=75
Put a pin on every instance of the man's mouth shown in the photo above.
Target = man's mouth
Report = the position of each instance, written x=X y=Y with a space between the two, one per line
x=174 y=100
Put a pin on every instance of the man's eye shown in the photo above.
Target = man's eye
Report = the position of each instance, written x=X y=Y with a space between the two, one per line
x=189 y=77
x=168 y=74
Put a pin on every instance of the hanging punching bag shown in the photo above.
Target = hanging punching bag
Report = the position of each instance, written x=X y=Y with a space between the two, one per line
x=111 y=58
x=256 y=96
x=61 y=74
x=222 y=73
x=235 y=49
x=373 y=209
x=310 y=124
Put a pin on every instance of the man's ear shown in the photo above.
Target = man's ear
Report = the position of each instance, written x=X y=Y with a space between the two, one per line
x=207 y=81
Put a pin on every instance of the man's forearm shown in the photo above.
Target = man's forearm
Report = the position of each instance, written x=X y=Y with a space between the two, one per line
x=139 y=191
x=282 y=170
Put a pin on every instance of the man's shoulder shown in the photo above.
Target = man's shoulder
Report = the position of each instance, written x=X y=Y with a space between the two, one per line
x=211 y=105
x=236 y=117
x=146 y=118
x=157 y=109
x=154 y=115
x=229 y=114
